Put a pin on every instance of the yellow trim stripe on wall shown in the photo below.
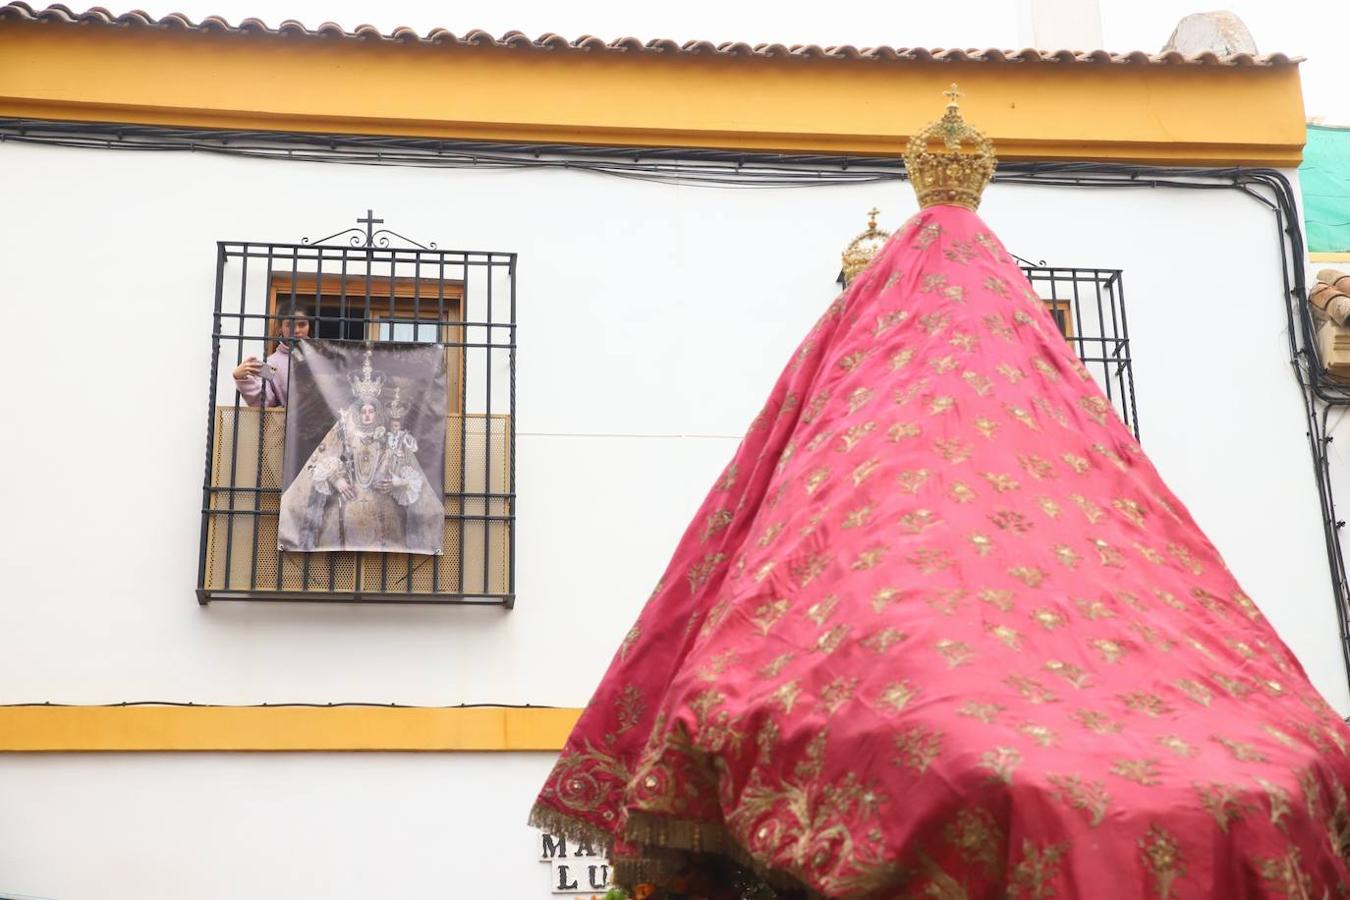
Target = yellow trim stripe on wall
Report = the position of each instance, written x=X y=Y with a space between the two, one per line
x=280 y=728
x=1222 y=115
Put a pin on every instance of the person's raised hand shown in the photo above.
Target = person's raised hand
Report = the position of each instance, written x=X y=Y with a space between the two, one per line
x=248 y=368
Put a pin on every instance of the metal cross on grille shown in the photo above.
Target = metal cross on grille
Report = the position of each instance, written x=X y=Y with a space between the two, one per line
x=370 y=222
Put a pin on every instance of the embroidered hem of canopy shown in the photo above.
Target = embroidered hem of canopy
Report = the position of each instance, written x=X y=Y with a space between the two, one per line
x=669 y=847
x=940 y=629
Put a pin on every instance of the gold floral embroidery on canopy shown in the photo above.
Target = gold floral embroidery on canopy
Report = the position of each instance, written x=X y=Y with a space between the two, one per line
x=939 y=575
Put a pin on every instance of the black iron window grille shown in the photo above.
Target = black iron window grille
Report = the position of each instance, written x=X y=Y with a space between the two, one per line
x=1089 y=307
x=362 y=285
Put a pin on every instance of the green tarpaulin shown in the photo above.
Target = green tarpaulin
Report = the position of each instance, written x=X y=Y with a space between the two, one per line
x=1325 y=178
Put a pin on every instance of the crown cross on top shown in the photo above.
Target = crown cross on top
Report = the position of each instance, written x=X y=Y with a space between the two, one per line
x=948 y=161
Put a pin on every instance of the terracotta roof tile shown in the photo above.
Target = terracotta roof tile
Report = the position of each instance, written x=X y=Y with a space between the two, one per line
x=515 y=40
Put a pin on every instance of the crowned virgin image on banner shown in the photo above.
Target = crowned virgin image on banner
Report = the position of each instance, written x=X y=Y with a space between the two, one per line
x=365 y=448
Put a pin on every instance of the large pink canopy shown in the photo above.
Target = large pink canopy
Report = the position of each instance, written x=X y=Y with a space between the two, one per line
x=940 y=630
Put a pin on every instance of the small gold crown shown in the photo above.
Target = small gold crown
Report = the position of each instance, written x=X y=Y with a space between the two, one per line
x=958 y=170
x=864 y=247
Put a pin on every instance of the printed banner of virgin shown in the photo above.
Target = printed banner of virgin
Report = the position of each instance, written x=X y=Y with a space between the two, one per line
x=365 y=448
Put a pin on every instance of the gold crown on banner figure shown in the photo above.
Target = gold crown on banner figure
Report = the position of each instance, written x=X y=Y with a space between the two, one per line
x=957 y=169
x=864 y=247
x=370 y=385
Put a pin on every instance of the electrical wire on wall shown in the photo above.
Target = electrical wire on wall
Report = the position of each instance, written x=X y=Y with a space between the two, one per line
x=736 y=170
x=690 y=167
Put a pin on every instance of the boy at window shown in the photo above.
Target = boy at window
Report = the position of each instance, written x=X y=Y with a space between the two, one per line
x=264 y=383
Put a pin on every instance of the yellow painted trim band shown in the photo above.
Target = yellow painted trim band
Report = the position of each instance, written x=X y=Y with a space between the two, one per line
x=1222 y=115
x=279 y=728
x=1333 y=257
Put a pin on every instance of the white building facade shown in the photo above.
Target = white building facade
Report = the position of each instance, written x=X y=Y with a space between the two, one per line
x=652 y=310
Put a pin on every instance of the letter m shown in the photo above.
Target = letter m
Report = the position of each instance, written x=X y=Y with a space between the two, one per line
x=554 y=849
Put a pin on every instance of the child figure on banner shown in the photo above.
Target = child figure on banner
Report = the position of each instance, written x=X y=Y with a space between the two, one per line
x=265 y=382
x=405 y=481
x=403 y=478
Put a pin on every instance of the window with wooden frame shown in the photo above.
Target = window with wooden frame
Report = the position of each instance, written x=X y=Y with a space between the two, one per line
x=359 y=286
x=405 y=310
x=1062 y=314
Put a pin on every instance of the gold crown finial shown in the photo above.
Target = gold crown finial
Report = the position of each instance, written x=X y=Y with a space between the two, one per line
x=370 y=385
x=956 y=170
x=864 y=247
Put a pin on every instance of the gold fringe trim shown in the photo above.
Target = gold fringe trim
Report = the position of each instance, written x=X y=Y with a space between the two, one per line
x=649 y=830
x=703 y=838
x=546 y=818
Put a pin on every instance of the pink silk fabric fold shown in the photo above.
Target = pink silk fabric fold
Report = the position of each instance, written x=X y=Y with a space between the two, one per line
x=940 y=630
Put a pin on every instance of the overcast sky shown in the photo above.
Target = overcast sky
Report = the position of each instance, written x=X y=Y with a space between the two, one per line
x=1316 y=29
